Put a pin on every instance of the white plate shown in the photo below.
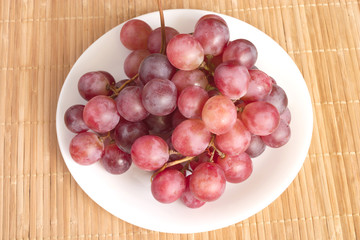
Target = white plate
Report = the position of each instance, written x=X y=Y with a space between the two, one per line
x=128 y=196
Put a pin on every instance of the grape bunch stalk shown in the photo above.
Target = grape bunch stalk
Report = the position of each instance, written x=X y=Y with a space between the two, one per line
x=195 y=111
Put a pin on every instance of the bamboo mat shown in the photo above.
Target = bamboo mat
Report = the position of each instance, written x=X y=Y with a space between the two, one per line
x=41 y=40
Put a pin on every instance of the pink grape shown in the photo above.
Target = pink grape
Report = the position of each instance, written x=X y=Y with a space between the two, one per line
x=213 y=35
x=203 y=157
x=256 y=147
x=149 y=152
x=261 y=118
x=155 y=65
x=232 y=79
x=279 y=137
x=159 y=97
x=211 y=16
x=208 y=182
x=125 y=134
x=86 y=148
x=219 y=114
x=242 y=51
x=183 y=79
x=134 y=34
x=260 y=86
x=158 y=124
x=188 y=197
x=168 y=186
x=286 y=116
x=129 y=104
x=177 y=118
x=154 y=41
x=237 y=168
x=92 y=84
x=235 y=141
x=133 y=61
x=100 y=114
x=190 y=138
x=278 y=98
x=191 y=101
x=73 y=118
x=185 y=52
x=114 y=160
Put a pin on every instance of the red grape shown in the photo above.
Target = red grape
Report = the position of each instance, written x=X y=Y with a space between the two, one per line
x=114 y=160
x=154 y=41
x=86 y=148
x=191 y=101
x=159 y=97
x=133 y=61
x=232 y=79
x=149 y=152
x=158 y=124
x=259 y=86
x=261 y=118
x=168 y=186
x=279 y=137
x=155 y=65
x=286 y=116
x=134 y=34
x=183 y=79
x=188 y=197
x=256 y=147
x=125 y=134
x=242 y=51
x=237 y=168
x=100 y=114
x=185 y=52
x=214 y=16
x=190 y=138
x=208 y=182
x=219 y=114
x=278 y=98
x=74 y=119
x=129 y=104
x=234 y=141
x=92 y=84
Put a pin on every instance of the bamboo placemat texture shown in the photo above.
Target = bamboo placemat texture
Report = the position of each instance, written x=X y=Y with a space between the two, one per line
x=41 y=40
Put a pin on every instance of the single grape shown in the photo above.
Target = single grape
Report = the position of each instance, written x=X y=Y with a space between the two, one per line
x=92 y=84
x=114 y=160
x=133 y=61
x=125 y=134
x=100 y=114
x=286 y=116
x=219 y=114
x=155 y=65
x=259 y=86
x=154 y=41
x=279 y=137
x=73 y=118
x=185 y=52
x=242 y=51
x=213 y=35
x=188 y=197
x=177 y=118
x=278 y=98
x=129 y=104
x=159 y=97
x=149 y=152
x=207 y=16
x=261 y=118
x=191 y=101
x=190 y=138
x=208 y=182
x=232 y=79
x=235 y=141
x=134 y=34
x=256 y=147
x=158 y=124
x=86 y=148
x=183 y=79
x=168 y=186
x=237 y=168
x=203 y=157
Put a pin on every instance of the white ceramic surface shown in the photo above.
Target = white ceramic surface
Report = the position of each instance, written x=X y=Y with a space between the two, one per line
x=128 y=196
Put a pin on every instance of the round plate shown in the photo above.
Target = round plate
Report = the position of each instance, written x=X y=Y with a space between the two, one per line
x=128 y=196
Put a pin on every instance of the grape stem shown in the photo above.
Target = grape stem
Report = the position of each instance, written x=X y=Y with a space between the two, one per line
x=169 y=164
x=117 y=90
x=162 y=22
x=205 y=67
x=212 y=145
x=173 y=152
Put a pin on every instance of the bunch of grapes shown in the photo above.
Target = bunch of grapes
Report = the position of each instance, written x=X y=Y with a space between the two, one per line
x=195 y=111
